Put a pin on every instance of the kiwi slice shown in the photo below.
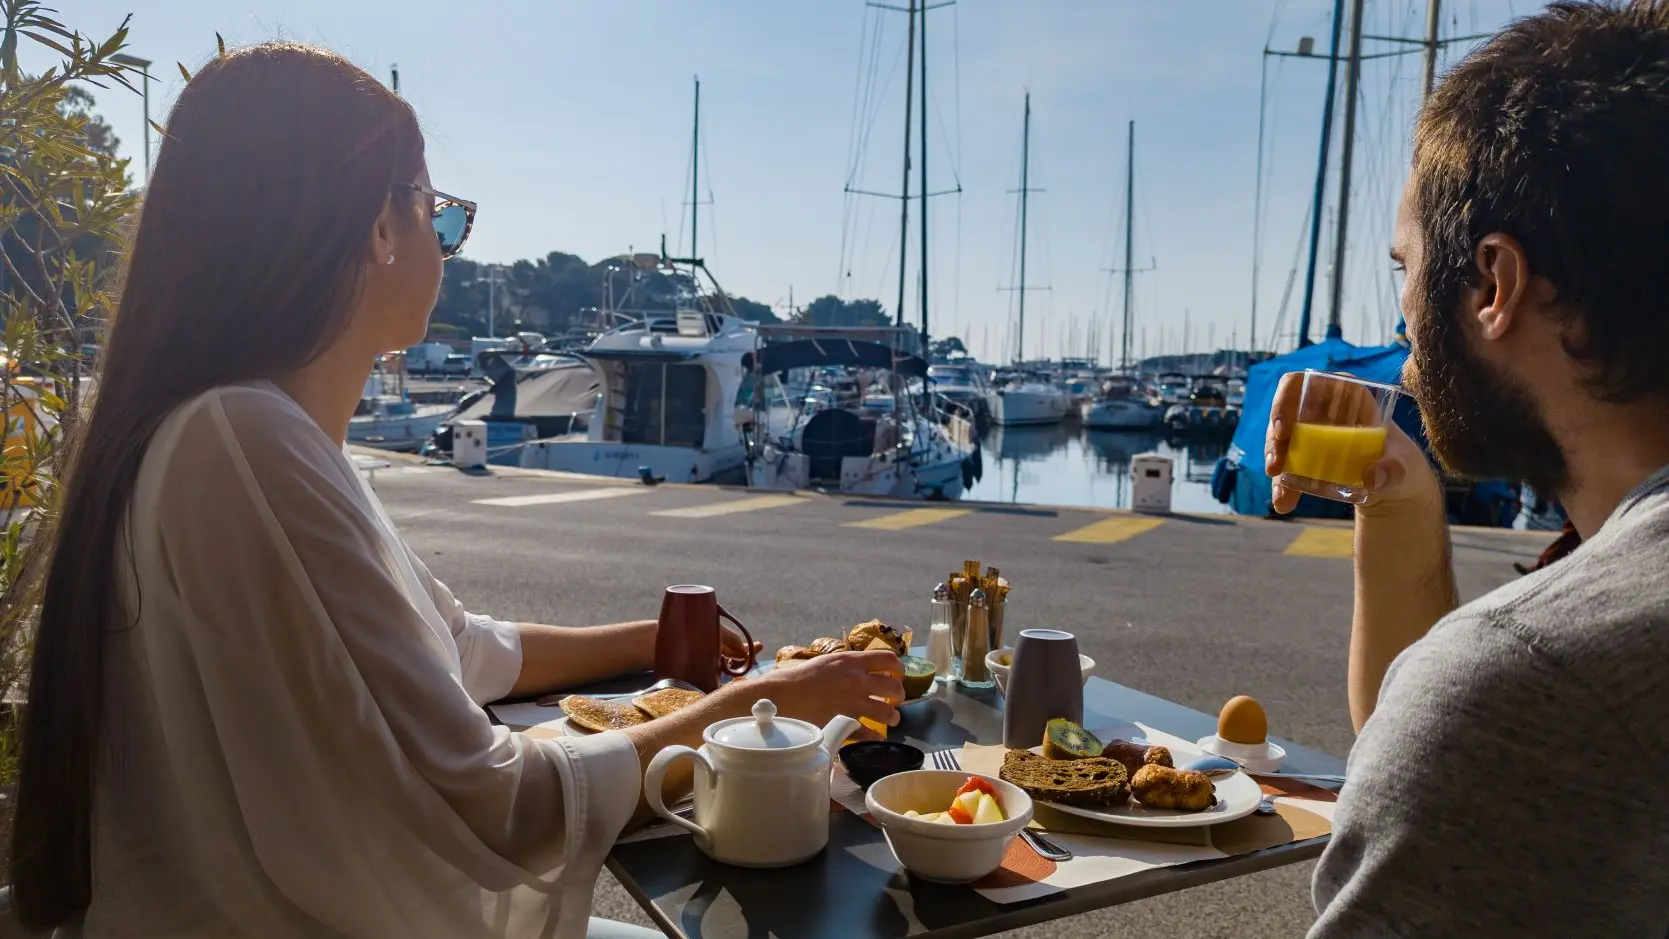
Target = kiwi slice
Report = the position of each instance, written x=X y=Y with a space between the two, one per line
x=1064 y=740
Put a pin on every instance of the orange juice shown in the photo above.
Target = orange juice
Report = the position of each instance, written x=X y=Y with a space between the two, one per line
x=1333 y=453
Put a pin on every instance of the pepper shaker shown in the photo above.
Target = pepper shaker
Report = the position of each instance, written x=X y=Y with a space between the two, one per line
x=976 y=643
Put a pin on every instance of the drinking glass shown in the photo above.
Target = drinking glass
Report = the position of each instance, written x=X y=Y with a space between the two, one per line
x=1339 y=433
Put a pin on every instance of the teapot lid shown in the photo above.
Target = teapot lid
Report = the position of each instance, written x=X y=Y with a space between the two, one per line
x=764 y=731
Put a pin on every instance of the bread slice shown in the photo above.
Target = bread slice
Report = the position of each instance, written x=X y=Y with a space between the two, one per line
x=597 y=716
x=1094 y=781
x=666 y=701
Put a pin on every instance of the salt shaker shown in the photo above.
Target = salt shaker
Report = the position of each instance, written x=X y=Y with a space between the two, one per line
x=976 y=643
x=938 y=634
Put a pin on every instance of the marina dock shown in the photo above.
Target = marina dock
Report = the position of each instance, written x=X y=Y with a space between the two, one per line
x=1196 y=608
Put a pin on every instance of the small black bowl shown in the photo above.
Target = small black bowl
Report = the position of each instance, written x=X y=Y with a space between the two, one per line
x=869 y=760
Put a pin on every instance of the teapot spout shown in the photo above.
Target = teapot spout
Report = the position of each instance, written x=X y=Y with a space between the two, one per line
x=836 y=733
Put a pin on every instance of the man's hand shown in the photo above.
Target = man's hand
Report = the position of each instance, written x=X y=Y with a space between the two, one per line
x=1400 y=479
x=1404 y=584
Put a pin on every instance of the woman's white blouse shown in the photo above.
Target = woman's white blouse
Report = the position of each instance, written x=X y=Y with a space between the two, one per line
x=293 y=740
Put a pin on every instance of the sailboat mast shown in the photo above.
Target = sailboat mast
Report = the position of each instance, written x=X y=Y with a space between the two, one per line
x=1433 y=13
x=1129 y=235
x=1353 y=79
x=923 y=145
x=1321 y=176
x=1025 y=191
x=695 y=174
x=904 y=200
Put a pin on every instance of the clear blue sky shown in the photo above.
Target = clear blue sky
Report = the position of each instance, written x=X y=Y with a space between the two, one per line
x=569 y=123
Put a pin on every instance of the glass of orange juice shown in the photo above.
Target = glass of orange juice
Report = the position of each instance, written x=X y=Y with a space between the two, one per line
x=1340 y=432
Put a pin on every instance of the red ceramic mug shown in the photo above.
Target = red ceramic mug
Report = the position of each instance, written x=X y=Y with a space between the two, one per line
x=689 y=642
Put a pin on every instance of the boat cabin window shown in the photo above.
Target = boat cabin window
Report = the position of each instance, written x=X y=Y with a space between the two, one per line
x=775 y=397
x=658 y=404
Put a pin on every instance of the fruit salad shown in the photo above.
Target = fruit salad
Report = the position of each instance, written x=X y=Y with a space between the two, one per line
x=975 y=804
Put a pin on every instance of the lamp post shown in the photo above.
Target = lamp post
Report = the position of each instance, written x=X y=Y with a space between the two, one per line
x=144 y=68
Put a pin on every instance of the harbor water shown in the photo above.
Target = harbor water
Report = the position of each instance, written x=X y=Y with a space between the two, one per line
x=1063 y=464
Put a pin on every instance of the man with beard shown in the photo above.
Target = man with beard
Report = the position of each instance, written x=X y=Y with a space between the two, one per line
x=1514 y=776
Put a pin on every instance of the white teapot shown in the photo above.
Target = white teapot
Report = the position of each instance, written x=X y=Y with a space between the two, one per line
x=761 y=787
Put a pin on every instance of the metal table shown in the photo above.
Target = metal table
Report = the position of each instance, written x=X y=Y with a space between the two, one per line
x=838 y=896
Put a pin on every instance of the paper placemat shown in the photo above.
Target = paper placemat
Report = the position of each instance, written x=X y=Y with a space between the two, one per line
x=1103 y=851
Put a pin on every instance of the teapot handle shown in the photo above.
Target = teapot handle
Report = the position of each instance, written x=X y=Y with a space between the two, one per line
x=655 y=778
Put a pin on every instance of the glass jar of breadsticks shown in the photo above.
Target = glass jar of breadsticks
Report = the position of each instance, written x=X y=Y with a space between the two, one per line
x=962 y=586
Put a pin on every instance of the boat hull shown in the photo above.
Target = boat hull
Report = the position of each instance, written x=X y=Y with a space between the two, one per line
x=1121 y=414
x=623 y=460
x=398 y=434
x=1014 y=407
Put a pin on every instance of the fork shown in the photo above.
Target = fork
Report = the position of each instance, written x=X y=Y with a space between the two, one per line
x=948 y=760
x=552 y=700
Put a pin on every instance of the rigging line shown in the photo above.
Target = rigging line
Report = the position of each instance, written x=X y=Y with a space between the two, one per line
x=869 y=63
x=857 y=84
x=1274 y=19
x=956 y=62
x=1292 y=276
x=875 y=116
x=712 y=213
x=682 y=218
x=1257 y=195
x=955 y=169
x=847 y=216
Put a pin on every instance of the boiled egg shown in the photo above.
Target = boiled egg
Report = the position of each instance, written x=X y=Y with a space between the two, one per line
x=1242 y=720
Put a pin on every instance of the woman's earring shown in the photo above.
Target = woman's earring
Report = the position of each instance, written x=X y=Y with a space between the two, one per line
x=390 y=258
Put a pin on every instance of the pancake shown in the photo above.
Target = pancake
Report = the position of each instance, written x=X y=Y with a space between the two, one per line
x=666 y=701
x=596 y=716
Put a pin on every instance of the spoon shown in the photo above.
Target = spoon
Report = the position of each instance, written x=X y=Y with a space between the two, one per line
x=552 y=700
x=1213 y=765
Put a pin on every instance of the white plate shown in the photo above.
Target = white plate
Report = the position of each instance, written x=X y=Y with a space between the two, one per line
x=1237 y=797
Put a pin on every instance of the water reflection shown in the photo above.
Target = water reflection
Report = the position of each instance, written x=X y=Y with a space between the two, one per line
x=1066 y=465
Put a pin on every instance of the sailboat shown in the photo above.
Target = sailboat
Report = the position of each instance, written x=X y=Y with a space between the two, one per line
x=1121 y=404
x=1028 y=398
x=894 y=438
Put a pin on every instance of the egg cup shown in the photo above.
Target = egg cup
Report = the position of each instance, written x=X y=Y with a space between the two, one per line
x=1265 y=757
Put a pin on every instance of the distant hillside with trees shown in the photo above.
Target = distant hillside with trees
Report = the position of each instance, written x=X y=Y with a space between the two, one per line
x=560 y=291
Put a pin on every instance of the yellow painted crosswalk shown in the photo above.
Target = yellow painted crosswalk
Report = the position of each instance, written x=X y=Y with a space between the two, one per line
x=1112 y=529
x=1315 y=542
x=911 y=518
x=573 y=495
x=732 y=507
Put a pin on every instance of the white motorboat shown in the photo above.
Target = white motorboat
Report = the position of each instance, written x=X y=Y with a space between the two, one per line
x=1028 y=402
x=1120 y=406
x=392 y=421
x=904 y=451
x=962 y=385
x=670 y=389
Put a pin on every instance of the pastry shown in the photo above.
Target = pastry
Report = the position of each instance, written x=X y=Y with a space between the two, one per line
x=862 y=635
x=1161 y=787
x=1134 y=756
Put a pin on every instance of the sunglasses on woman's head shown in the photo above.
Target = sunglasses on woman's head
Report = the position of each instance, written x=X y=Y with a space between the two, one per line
x=452 y=218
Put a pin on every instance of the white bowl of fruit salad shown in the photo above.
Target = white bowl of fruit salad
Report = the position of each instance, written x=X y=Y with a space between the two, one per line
x=948 y=826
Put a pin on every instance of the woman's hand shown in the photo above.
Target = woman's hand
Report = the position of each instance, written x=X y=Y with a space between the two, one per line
x=1401 y=478
x=842 y=683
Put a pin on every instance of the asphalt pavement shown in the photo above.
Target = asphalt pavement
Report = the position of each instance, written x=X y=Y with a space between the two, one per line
x=1192 y=608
